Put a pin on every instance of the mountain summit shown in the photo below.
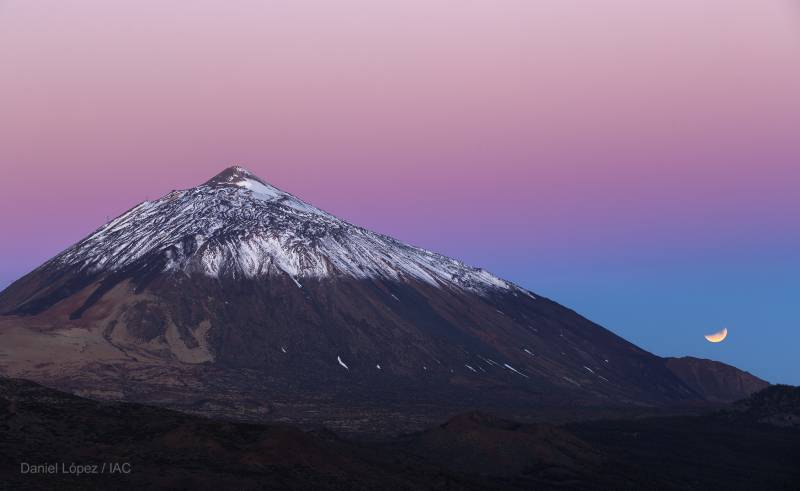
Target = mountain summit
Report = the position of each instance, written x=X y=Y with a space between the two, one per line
x=233 y=175
x=235 y=294
x=239 y=177
x=236 y=225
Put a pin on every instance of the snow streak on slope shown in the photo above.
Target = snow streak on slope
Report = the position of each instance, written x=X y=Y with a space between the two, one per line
x=237 y=225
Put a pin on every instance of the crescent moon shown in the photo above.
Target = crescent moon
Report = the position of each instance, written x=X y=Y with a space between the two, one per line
x=718 y=336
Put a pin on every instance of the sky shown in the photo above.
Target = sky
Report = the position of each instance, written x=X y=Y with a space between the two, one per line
x=636 y=161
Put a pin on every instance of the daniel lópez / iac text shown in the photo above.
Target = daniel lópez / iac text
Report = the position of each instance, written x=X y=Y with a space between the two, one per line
x=76 y=469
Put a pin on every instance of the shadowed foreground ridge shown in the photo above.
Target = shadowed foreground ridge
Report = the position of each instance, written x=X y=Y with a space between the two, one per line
x=778 y=405
x=475 y=451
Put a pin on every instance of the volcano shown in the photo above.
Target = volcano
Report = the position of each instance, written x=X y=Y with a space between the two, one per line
x=238 y=299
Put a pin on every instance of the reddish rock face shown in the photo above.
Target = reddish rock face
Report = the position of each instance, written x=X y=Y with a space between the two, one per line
x=715 y=381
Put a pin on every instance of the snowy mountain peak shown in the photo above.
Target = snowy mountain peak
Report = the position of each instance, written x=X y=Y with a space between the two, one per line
x=233 y=176
x=243 y=178
x=239 y=177
x=235 y=224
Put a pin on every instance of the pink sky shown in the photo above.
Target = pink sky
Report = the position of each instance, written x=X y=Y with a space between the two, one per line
x=610 y=119
x=504 y=132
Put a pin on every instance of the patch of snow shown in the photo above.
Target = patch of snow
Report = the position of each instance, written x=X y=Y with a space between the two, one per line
x=589 y=369
x=260 y=190
x=514 y=370
x=471 y=368
x=378 y=366
x=526 y=351
x=339 y=359
x=489 y=361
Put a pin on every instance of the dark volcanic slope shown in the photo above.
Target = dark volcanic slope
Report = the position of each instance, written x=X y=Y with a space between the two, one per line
x=749 y=446
x=777 y=405
x=235 y=297
x=170 y=450
x=725 y=450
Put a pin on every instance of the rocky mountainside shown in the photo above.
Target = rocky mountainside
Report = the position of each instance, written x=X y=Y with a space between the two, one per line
x=235 y=298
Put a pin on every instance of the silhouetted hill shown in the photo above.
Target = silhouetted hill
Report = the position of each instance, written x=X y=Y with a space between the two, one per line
x=777 y=405
x=482 y=444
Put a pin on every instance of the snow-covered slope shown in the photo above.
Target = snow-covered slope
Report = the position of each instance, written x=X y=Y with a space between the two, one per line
x=237 y=225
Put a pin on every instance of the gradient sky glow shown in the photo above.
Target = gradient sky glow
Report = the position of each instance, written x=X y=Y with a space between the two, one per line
x=636 y=161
